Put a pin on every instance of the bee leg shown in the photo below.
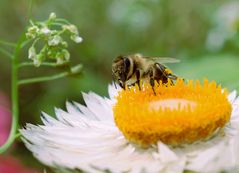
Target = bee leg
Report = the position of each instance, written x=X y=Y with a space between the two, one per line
x=171 y=76
x=151 y=79
x=115 y=85
x=133 y=84
x=152 y=85
x=122 y=85
x=113 y=77
x=137 y=78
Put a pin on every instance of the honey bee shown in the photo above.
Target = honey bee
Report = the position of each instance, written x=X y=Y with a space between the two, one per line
x=131 y=69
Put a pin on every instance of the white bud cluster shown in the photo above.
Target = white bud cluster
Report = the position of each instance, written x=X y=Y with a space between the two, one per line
x=72 y=29
x=55 y=47
x=32 y=32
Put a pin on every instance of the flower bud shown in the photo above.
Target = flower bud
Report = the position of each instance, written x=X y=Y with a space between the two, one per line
x=36 y=62
x=52 y=16
x=71 y=28
x=76 y=38
x=64 y=44
x=32 y=32
x=66 y=54
x=32 y=52
x=39 y=59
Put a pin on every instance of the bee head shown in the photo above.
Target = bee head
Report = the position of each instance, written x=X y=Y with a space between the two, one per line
x=120 y=70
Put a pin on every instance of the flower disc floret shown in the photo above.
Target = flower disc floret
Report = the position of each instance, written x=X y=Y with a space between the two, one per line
x=177 y=114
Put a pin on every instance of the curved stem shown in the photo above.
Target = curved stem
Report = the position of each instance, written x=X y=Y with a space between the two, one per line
x=14 y=91
x=25 y=43
x=62 y=20
x=6 y=53
x=73 y=71
x=7 y=43
x=57 y=24
x=49 y=64
x=29 y=10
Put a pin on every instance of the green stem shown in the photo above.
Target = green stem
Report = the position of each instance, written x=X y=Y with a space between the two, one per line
x=57 y=24
x=50 y=64
x=3 y=51
x=14 y=91
x=74 y=70
x=63 y=21
x=17 y=135
x=25 y=43
x=7 y=43
x=29 y=11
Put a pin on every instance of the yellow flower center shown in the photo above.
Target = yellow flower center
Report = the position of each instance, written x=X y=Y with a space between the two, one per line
x=177 y=114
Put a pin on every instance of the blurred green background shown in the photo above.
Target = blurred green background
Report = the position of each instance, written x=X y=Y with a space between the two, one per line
x=202 y=34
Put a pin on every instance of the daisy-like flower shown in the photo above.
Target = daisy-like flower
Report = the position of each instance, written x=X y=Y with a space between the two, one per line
x=187 y=126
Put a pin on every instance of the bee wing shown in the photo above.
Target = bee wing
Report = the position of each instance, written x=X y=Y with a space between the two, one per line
x=163 y=60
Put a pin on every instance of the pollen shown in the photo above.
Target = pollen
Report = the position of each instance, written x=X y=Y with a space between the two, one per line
x=168 y=71
x=177 y=114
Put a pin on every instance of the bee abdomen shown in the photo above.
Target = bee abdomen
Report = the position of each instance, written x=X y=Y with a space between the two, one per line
x=159 y=73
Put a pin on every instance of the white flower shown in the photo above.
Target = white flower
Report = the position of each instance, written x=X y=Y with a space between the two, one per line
x=62 y=57
x=45 y=31
x=32 y=53
x=66 y=54
x=86 y=137
x=74 y=33
x=52 y=16
x=54 y=40
x=36 y=62
x=76 y=38
x=32 y=32
x=71 y=28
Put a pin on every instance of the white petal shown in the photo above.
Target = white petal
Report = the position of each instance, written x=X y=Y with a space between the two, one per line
x=204 y=158
x=99 y=107
x=49 y=121
x=235 y=108
x=113 y=91
x=165 y=154
x=74 y=147
x=94 y=143
x=232 y=96
x=72 y=143
x=176 y=167
x=86 y=138
x=236 y=101
x=233 y=125
x=85 y=112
